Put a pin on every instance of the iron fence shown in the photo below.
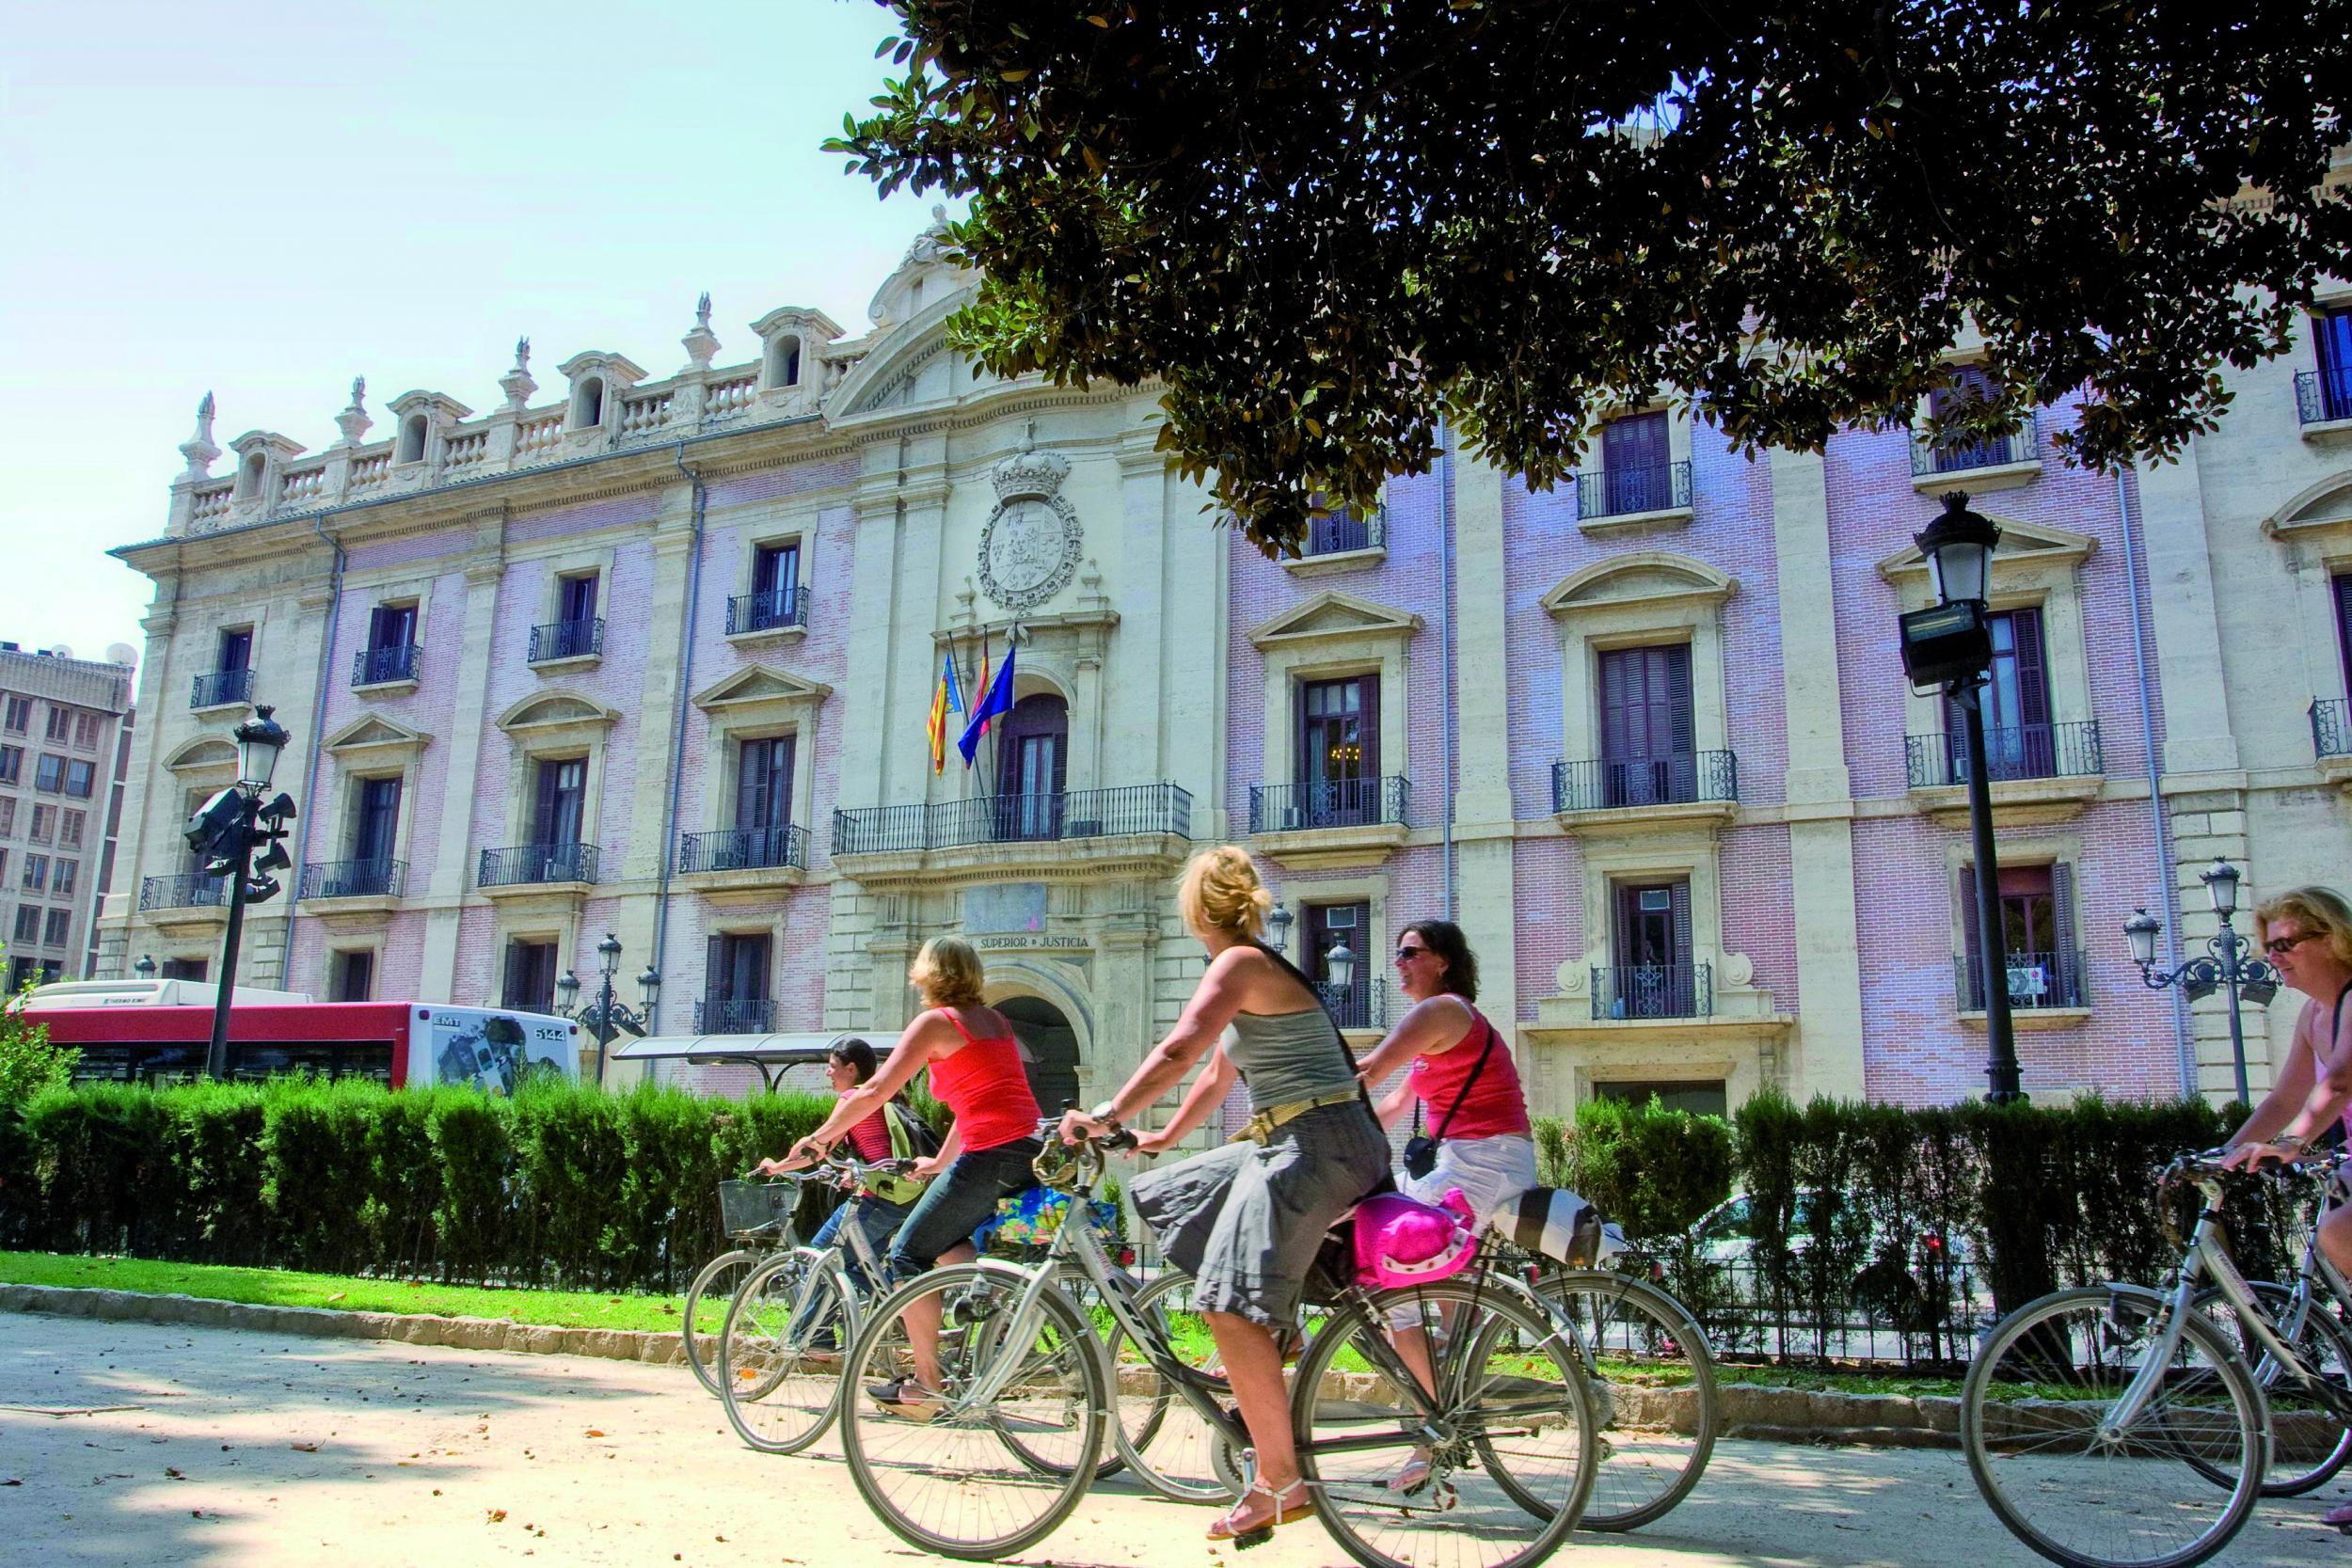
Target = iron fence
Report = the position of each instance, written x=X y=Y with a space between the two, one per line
x=1929 y=455
x=221 y=687
x=361 y=879
x=521 y=864
x=2035 y=980
x=376 y=666
x=567 y=639
x=185 y=890
x=1361 y=1004
x=776 y=610
x=2019 y=751
x=1678 y=779
x=1156 y=808
x=2331 y=727
x=1621 y=492
x=1653 y=991
x=2322 y=396
x=744 y=848
x=734 y=1015
x=1328 y=803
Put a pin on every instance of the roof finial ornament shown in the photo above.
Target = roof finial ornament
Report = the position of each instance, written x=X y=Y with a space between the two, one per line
x=199 y=449
x=205 y=416
x=522 y=354
x=702 y=312
x=354 y=421
x=359 y=391
x=517 y=384
x=701 y=342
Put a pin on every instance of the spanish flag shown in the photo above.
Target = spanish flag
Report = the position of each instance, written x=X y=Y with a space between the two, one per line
x=947 y=698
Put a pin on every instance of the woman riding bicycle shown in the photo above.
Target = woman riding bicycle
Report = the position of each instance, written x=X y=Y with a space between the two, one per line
x=977 y=1072
x=1246 y=1220
x=892 y=1133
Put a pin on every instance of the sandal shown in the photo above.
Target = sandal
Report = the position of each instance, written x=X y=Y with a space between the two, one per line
x=1414 y=1473
x=906 y=1399
x=1285 y=1512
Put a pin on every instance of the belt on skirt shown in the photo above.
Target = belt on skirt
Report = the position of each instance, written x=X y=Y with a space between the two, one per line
x=1261 y=1128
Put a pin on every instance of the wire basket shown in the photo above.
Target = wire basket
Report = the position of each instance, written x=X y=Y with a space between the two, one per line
x=752 y=1207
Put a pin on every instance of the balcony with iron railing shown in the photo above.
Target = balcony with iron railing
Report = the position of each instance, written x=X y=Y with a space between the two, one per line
x=562 y=640
x=355 y=878
x=736 y=1016
x=221 y=688
x=2324 y=396
x=1653 y=991
x=2010 y=752
x=385 y=666
x=535 y=865
x=2042 y=981
x=1330 y=803
x=778 y=610
x=1158 y=810
x=1632 y=490
x=1695 y=779
x=2331 y=727
x=782 y=847
x=182 y=890
x=2014 y=456
x=1361 y=1004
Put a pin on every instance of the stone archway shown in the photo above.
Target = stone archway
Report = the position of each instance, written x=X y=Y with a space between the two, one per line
x=1051 y=1046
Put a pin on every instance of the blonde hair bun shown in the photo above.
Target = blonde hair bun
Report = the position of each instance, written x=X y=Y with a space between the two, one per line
x=1221 y=891
x=948 y=972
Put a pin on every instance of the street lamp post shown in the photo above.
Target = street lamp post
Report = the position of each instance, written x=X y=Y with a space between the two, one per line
x=2230 y=966
x=145 y=967
x=1949 y=644
x=607 y=1017
x=1278 y=923
x=226 y=830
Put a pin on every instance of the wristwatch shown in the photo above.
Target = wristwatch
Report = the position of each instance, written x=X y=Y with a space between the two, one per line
x=1105 y=1112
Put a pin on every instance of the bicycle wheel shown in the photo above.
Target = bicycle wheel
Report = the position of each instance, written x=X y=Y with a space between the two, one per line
x=780 y=1353
x=706 y=1311
x=1039 y=1446
x=2309 y=1443
x=1172 y=1448
x=951 y=1482
x=1511 y=1396
x=1653 y=1382
x=2034 y=1418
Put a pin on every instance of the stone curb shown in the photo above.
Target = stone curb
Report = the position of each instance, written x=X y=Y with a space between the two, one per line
x=612 y=1344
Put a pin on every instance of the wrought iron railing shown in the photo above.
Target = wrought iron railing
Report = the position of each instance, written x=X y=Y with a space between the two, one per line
x=2331 y=727
x=1653 y=991
x=1621 y=491
x=221 y=687
x=773 y=610
x=1681 y=779
x=2035 y=980
x=1342 y=532
x=522 y=865
x=1361 y=1004
x=1157 y=808
x=2322 y=396
x=2020 y=751
x=567 y=639
x=374 y=666
x=736 y=1016
x=1328 y=803
x=183 y=890
x=1958 y=456
x=744 y=848
x=368 y=878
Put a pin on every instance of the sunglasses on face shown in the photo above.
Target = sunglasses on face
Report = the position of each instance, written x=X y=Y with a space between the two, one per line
x=1407 y=954
x=2280 y=946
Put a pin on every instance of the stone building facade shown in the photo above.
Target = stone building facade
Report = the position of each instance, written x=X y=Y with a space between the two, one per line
x=63 y=721
x=654 y=656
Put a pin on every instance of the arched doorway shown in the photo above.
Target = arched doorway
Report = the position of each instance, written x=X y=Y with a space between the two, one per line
x=1051 y=1046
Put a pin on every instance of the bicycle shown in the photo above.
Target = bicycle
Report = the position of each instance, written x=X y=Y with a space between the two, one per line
x=780 y=1349
x=758 y=1215
x=2080 y=1404
x=1010 y=1448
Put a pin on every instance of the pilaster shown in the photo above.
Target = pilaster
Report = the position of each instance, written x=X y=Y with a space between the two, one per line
x=460 y=829
x=2198 y=738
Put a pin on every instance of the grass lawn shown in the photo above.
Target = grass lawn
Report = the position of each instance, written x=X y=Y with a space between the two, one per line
x=281 y=1288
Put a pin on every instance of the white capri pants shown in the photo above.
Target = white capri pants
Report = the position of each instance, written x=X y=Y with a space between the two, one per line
x=1491 y=1172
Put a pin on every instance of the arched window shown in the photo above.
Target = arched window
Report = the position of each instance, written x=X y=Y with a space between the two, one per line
x=588 y=407
x=412 y=438
x=783 y=362
x=249 y=477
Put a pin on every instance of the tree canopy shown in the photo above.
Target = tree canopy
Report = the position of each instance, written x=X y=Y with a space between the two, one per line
x=1327 y=225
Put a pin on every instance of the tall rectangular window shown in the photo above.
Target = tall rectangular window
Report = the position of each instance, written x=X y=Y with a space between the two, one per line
x=57 y=927
x=377 y=823
x=354 y=978
x=81 y=778
x=1654 y=976
x=1329 y=926
x=8 y=817
x=2019 y=741
x=60 y=724
x=776 y=575
x=1966 y=386
x=575 y=599
x=11 y=763
x=530 y=980
x=735 y=984
x=36 y=877
x=1339 y=754
x=86 y=728
x=2037 y=937
x=2331 y=335
x=236 y=650
x=1647 y=747
x=18 y=718
x=763 y=782
x=44 y=824
x=49 y=773
x=391 y=625
x=69 y=827
x=559 y=801
x=20 y=973
x=1636 y=463
x=67 y=873
x=28 y=923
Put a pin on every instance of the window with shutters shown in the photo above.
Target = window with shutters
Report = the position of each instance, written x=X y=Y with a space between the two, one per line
x=1652 y=972
x=390 y=653
x=36 y=877
x=61 y=724
x=1032 y=768
x=735 y=985
x=1996 y=461
x=2043 y=959
x=69 y=828
x=1637 y=469
x=44 y=824
x=353 y=975
x=57 y=927
x=28 y=923
x=2019 y=742
x=375 y=825
x=1330 y=927
x=774 y=602
x=1338 y=780
x=529 y=975
x=2332 y=344
x=1648 y=748
x=11 y=763
x=68 y=873
x=85 y=731
x=19 y=716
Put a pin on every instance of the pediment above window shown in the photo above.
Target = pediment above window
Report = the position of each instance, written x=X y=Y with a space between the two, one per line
x=1643 y=577
x=2322 y=508
x=374 y=735
x=2023 y=545
x=1335 y=617
x=758 y=687
x=552 y=710
x=203 y=754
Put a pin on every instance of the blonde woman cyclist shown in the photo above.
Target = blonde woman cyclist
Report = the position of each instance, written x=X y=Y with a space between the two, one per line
x=1246 y=1219
x=987 y=1154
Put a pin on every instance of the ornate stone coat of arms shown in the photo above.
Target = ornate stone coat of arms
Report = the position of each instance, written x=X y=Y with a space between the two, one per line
x=1031 y=544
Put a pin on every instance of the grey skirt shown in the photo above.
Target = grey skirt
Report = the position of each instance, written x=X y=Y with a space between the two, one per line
x=1246 y=1220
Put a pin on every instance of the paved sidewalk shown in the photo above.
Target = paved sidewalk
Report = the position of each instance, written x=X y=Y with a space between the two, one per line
x=149 y=1444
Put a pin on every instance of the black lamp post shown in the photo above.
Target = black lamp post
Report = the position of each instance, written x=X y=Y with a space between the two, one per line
x=1339 y=976
x=226 y=830
x=1278 y=923
x=2231 y=964
x=145 y=967
x=605 y=1017
x=1950 y=645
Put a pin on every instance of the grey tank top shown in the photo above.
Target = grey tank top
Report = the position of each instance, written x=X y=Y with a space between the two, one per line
x=1289 y=1057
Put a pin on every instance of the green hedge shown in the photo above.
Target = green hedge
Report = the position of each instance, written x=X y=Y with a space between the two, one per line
x=562 y=1185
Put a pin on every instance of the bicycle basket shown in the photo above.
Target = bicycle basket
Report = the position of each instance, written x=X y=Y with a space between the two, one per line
x=747 y=1208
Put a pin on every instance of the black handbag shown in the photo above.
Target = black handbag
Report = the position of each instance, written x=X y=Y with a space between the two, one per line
x=1420 y=1149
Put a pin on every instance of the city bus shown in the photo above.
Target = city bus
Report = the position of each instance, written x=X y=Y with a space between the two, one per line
x=154 y=1035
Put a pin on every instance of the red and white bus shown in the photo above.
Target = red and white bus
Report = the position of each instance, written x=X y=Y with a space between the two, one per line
x=151 y=1034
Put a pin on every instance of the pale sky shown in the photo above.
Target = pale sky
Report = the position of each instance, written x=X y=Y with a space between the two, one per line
x=268 y=198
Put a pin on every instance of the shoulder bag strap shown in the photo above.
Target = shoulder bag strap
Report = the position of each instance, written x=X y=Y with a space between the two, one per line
x=1296 y=974
x=1471 y=1082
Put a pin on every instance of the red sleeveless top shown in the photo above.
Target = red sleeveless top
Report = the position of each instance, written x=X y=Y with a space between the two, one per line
x=1496 y=1107
x=984 y=1085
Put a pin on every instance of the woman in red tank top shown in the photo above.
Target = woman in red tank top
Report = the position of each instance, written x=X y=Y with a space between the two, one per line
x=977 y=1073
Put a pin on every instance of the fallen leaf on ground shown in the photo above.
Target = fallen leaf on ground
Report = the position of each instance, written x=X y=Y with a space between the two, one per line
x=593 y=1433
x=498 y=1515
x=333 y=1298
x=173 y=1473
x=304 y=1448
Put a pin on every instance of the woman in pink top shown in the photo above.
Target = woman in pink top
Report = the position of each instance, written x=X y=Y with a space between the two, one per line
x=987 y=1154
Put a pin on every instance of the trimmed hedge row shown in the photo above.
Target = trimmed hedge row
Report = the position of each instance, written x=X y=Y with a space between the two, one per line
x=563 y=1186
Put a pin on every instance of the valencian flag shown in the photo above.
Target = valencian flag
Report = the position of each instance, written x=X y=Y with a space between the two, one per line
x=995 y=703
x=946 y=699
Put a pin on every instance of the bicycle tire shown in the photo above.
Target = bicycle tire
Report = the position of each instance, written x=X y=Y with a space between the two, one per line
x=768 y=1349
x=2298 y=1463
x=1163 y=1441
x=718 y=1280
x=1642 y=1478
x=961 y=1449
x=1528 y=1383
x=1080 y=1289
x=2007 y=1436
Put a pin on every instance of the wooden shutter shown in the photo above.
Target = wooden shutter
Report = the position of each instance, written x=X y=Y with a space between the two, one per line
x=783 y=750
x=715 y=970
x=1681 y=896
x=379 y=623
x=511 y=990
x=751 y=967
x=2068 y=976
x=2343 y=622
x=1972 y=941
x=547 y=807
x=1614 y=671
x=751 y=783
x=1368 y=724
x=2033 y=688
x=1680 y=732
